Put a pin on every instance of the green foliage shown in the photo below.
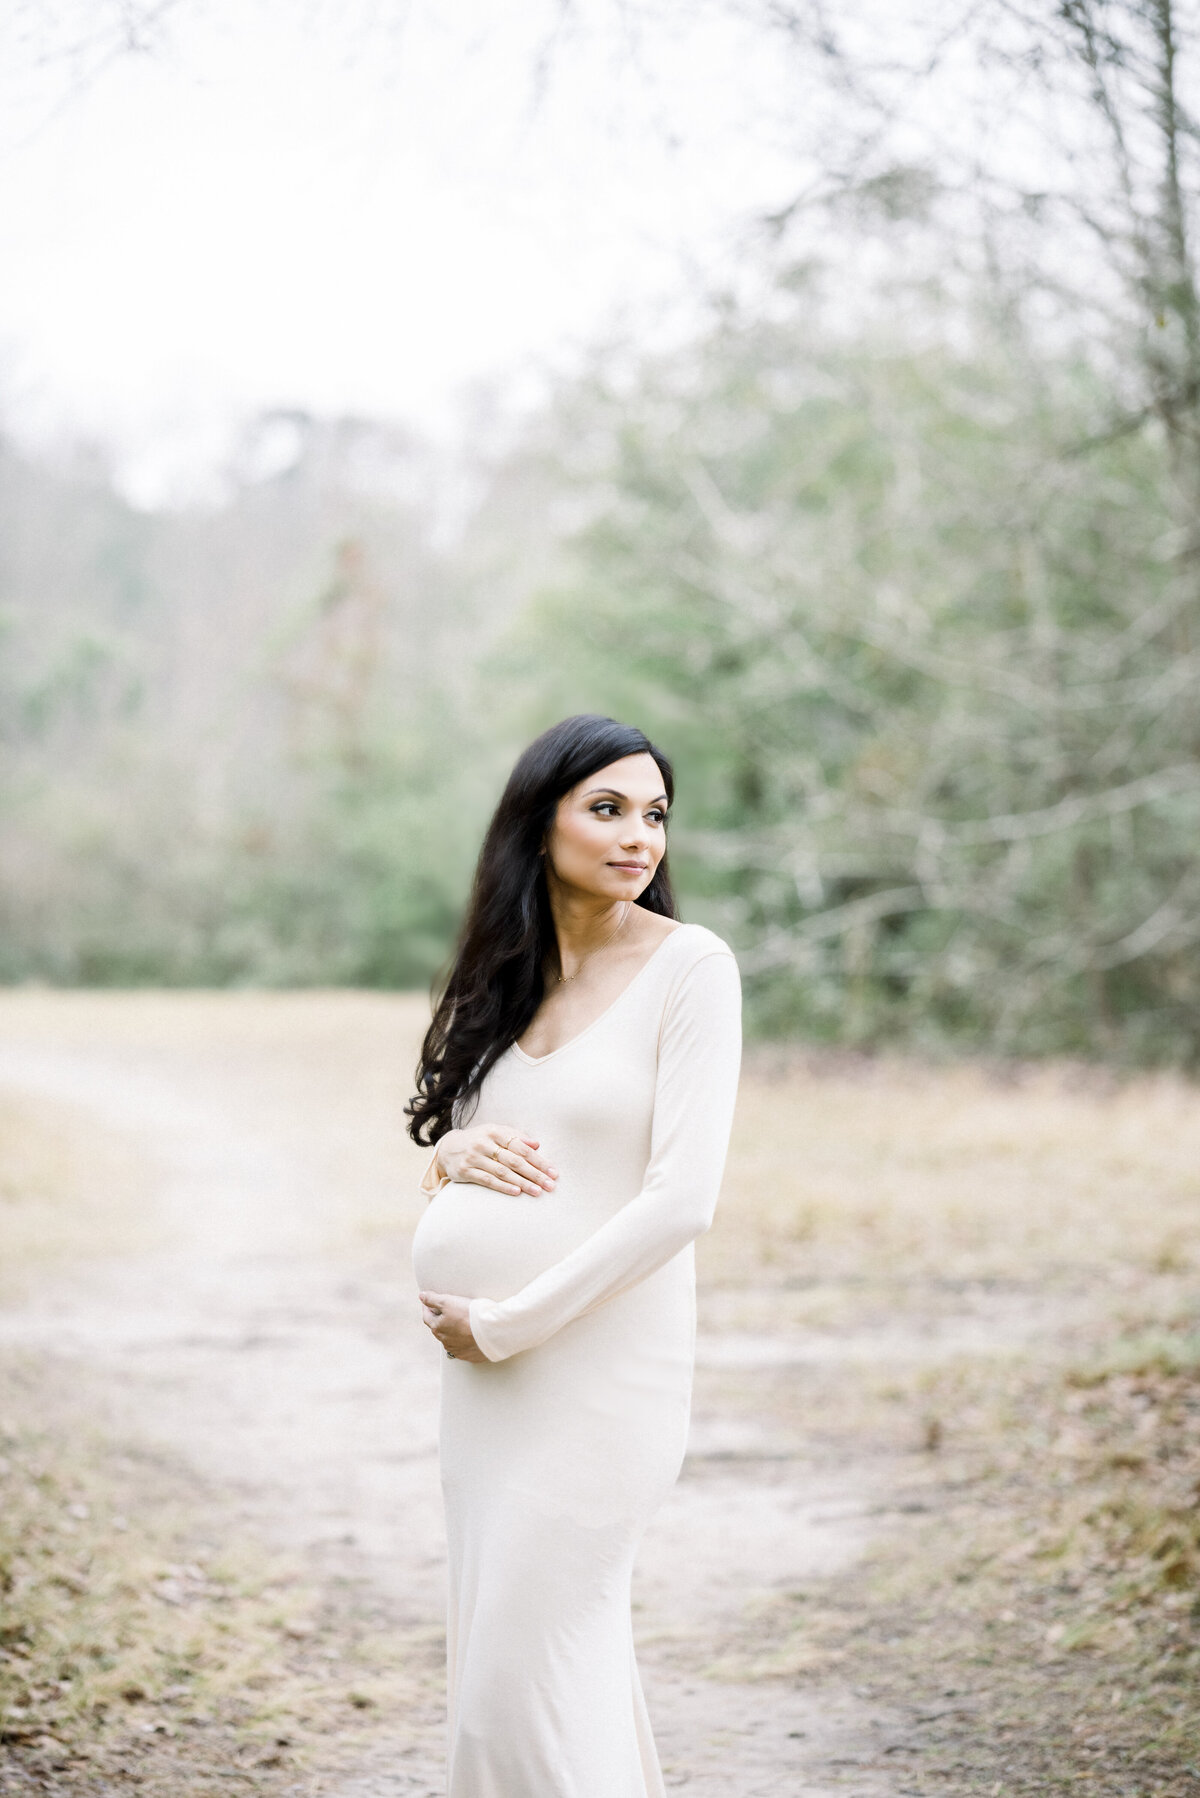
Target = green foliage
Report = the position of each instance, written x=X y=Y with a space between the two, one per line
x=918 y=628
x=926 y=663
x=227 y=748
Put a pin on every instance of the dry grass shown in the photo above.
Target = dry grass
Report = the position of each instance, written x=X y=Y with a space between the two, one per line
x=998 y=1266
x=883 y=1171
x=1039 y=1617
x=327 y=1073
x=1037 y=1611
x=68 y=1189
x=142 y=1643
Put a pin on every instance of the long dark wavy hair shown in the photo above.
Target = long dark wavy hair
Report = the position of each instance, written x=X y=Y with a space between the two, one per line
x=495 y=983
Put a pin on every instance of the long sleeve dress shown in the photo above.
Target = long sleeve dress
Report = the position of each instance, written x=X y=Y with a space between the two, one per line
x=558 y=1449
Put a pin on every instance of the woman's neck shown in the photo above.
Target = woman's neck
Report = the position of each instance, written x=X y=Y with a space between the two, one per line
x=583 y=923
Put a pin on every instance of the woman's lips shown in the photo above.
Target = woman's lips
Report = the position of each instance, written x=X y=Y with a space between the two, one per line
x=631 y=867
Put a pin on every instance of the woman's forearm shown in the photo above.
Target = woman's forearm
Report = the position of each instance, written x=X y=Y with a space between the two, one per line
x=694 y=1098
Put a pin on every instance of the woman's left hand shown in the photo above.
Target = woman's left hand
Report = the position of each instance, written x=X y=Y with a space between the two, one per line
x=449 y=1318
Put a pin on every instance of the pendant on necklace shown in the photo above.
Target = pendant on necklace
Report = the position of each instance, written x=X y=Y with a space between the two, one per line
x=564 y=978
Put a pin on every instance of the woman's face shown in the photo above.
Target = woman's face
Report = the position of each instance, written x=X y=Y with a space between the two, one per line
x=609 y=832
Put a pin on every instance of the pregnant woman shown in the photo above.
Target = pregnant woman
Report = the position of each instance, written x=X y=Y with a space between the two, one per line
x=578 y=1080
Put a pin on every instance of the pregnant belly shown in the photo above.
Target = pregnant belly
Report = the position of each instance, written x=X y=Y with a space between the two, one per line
x=480 y=1244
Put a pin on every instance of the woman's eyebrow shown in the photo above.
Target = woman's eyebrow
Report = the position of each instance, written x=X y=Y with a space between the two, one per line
x=619 y=795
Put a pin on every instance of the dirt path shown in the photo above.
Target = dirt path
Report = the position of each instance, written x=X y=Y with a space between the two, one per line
x=269 y=1336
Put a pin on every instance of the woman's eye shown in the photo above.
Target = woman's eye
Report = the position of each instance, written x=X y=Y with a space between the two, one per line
x=604 y=808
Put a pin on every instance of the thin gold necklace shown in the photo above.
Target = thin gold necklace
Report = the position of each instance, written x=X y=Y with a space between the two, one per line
x=564 y=978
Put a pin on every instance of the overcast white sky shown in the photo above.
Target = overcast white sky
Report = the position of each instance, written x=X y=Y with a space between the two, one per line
x=293 y=202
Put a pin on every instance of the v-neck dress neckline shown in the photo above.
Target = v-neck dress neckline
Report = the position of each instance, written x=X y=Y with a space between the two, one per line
x=537 y=1061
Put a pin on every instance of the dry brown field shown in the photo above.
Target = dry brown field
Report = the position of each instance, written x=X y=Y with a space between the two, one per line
x=939 y=1526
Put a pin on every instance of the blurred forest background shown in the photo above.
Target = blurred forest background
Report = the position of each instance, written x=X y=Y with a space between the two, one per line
x=897 y=554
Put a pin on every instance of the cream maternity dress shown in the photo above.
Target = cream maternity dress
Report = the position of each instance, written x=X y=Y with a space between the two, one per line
x=557 y=1450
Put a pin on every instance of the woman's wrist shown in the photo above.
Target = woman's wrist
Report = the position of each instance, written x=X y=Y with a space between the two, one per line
x=436 y=1174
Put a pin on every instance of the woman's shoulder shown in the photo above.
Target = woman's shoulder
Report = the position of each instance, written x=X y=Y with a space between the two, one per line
x=701 y=980
x=691 y=943
x=704 y=940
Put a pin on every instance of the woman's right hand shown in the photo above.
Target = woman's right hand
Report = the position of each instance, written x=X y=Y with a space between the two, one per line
x=496 y=1155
